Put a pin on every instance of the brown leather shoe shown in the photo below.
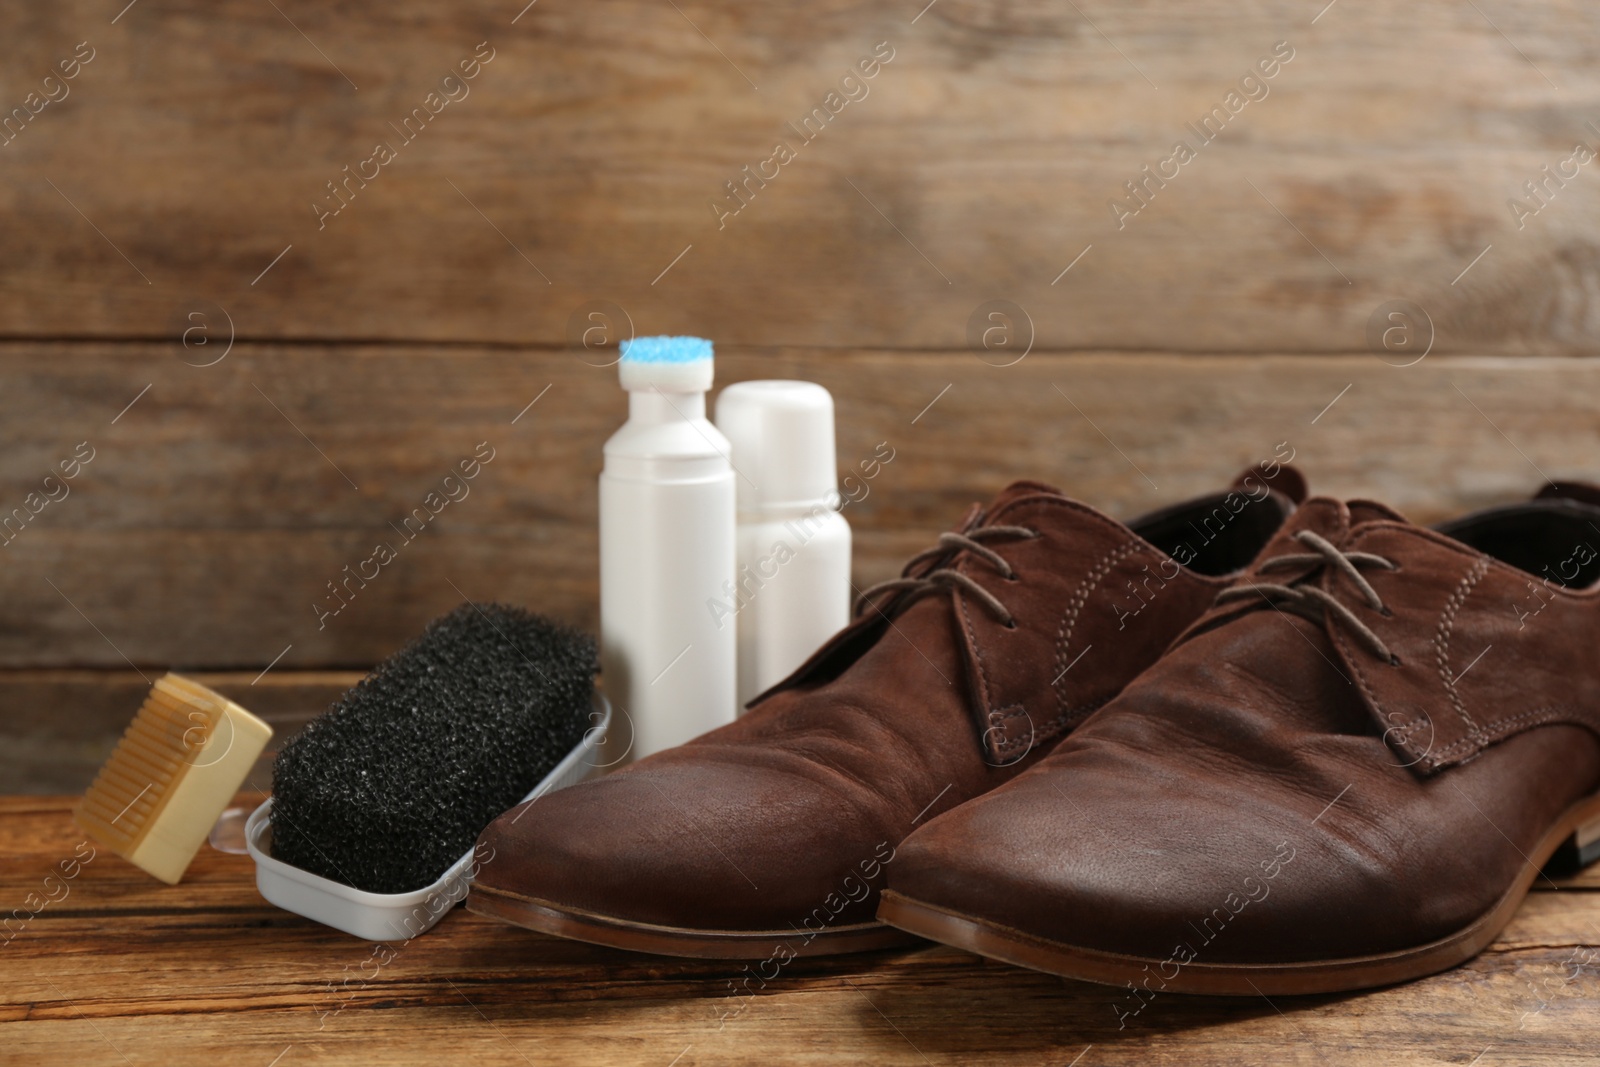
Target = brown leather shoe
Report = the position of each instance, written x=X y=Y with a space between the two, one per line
x=767 y=838
x=1346 y=774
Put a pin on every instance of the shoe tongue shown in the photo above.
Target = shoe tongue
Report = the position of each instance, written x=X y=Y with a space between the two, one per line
x=1334 y=519
x=1015 y=491
x=1363 y=511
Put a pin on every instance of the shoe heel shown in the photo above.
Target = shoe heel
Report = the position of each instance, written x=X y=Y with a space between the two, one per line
x=1585 y=842
x=1580 y=849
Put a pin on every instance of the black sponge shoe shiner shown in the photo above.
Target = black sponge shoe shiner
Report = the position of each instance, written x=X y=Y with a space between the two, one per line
x=377 y=802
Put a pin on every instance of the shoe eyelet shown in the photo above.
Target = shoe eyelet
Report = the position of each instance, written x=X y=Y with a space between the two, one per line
x=1386 y=611
x=1012 y=625
x=1394 y=660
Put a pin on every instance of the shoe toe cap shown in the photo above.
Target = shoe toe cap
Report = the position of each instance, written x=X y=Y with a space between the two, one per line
x=679 y=843
x=1106 y=866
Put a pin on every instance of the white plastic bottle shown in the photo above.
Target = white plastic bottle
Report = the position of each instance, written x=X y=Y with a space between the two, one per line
x=792 y=590
x=666 y=547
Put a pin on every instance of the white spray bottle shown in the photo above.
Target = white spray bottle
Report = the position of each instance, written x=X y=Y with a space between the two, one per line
x=667 y=549
x=792 y=592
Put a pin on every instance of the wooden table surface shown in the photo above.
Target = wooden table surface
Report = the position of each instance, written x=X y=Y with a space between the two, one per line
x=115 y=968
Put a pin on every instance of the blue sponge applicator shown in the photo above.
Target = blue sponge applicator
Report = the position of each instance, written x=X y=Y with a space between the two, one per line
x=670 y=364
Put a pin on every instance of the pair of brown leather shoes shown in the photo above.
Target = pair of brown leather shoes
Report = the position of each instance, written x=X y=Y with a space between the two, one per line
x=1232 y=747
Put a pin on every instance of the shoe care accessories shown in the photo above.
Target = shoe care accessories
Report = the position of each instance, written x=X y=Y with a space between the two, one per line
x=397 y=916
x=1350 y=771
x=176 y=768
x=770 y=837
x=375 y=801
x=792 y=589
x=667 y=549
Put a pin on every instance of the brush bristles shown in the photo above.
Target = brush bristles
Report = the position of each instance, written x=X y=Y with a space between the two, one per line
x=179 y=763
x=394 y=782
x=135 y=782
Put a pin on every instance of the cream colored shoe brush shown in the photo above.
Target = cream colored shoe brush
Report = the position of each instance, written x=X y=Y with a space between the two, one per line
x=173 y=773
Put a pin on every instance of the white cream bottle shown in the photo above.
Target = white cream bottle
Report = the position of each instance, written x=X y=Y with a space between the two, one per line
x=666 y=549
x=792 y=589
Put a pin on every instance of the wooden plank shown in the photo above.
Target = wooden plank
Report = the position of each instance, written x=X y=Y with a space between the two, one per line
x=175 y=973
x=57 y=727
x=216 y=511
x=980 y=163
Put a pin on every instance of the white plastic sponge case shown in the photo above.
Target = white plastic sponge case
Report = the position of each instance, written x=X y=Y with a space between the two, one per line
x=669 y=364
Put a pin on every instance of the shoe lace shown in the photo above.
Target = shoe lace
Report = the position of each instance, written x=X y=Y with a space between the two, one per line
x=1317 y=604
x=913 y=587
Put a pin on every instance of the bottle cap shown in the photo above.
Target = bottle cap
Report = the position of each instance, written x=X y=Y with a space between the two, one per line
x=670 y=364
x=782 y=438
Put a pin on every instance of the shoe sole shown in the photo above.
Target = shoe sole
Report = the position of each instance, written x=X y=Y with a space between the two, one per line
x=1579 y=828
x=578 y=925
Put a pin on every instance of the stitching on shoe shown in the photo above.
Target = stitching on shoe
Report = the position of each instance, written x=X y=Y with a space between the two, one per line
x=1361 y=679
x=1053 y=726
x=1501 y=729
x=1001 y=719
x=1479 y=736
x=1104 y=522
x=1404 y=729
x=972 y=636
x=1080 y=597
x=1493 y=731
x=977 y=656
x=1431 y=761
x=1001 y=746
x=1441 y=643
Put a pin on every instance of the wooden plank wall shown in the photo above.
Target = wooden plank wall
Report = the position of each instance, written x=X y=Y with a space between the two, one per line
x=265 y=385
